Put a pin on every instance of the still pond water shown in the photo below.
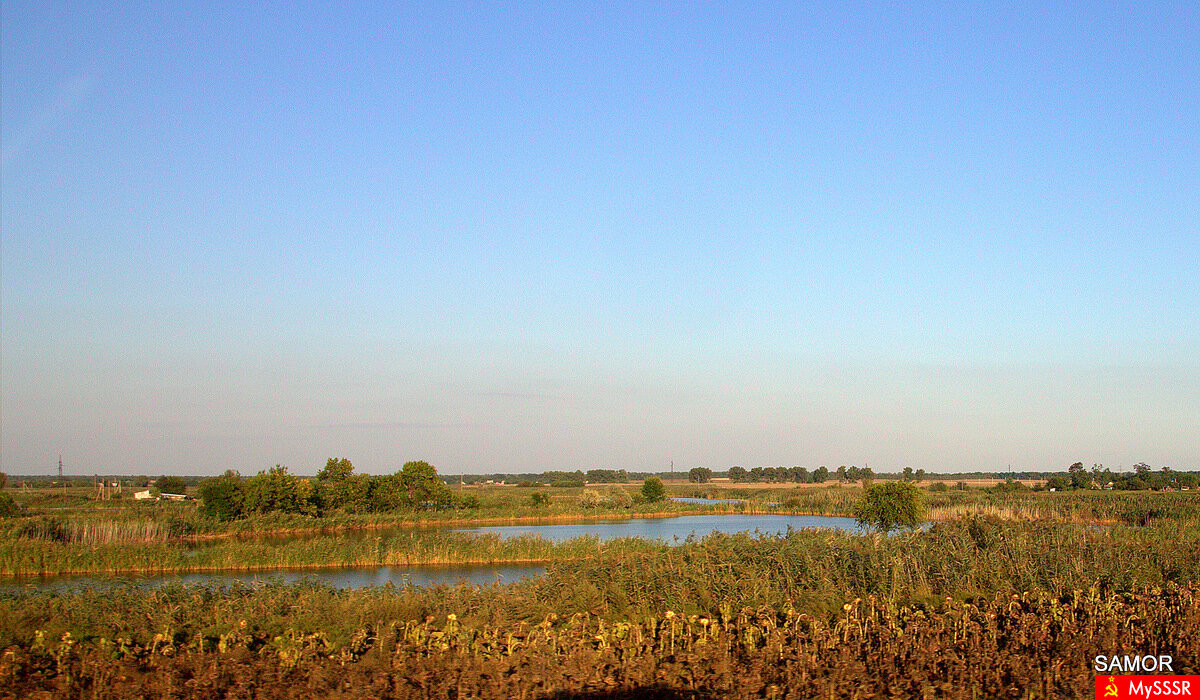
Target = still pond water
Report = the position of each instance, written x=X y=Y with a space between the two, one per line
x=363 y=577
x=669 y=530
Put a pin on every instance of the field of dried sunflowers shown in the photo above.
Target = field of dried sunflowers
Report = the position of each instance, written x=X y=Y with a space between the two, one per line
x=1018 y=646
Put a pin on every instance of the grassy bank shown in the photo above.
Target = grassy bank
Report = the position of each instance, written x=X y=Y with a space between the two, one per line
x=405 y=548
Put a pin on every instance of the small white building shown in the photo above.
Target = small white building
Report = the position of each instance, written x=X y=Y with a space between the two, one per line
x=147 y=496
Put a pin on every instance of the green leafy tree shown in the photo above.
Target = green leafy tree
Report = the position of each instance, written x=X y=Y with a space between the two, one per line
x=386 y=493
x=338 y=486
x=1132 y=483
x=221 y=497
x=820 y=475
x=171 y=484
x=354 y=493
x=699 y=475
x=889 y=506
x=8 y=507
x=737 y=474
x=1058 y=483
x=920 y=475
x=1080 y=478
x=537 y=499
x=277 y=491
x=1102 y=476
x=908 y=474
x=1161 y=480
x=422 y=487
x=335 y=470
x=653 y=490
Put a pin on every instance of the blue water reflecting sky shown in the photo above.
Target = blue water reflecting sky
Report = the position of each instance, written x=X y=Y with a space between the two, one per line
x=671 y=529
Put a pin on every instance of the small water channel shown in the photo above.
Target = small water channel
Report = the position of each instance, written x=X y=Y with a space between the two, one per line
x=705 y=501
x=423 y=576
x=670 y=530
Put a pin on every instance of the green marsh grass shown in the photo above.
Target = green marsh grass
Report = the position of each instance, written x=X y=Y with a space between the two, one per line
x=403 y=548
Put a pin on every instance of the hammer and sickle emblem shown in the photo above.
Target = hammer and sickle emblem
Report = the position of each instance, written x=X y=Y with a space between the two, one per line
x=1110 y=690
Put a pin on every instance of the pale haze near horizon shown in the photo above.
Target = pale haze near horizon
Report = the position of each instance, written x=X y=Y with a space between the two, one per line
x=545 y=237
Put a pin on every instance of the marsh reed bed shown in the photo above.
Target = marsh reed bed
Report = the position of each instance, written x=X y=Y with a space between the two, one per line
x=397 y=548
x=821 y=567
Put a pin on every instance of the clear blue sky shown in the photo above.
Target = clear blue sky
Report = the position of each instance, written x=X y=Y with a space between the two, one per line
x=524 y=237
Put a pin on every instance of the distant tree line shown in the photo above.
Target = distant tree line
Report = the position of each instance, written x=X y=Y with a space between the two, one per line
x=564 y=479
x=607 y=476
x=785 y=475
x=820 y=475
x=1142 y=478
x=415 y=486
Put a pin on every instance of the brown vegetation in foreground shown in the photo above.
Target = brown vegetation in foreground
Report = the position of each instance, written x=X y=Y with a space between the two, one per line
x=1025 y=646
